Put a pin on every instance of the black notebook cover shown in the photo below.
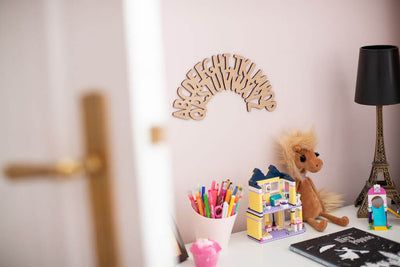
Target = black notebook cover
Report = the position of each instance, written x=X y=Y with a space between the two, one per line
x=351 y=247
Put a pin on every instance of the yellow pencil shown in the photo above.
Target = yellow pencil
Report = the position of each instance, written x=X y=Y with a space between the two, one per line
x=231 y=205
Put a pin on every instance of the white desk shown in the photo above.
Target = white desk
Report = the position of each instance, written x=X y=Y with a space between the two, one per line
x=245 y=252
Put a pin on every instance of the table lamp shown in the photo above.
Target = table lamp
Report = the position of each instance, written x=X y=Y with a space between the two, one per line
x=378 y=84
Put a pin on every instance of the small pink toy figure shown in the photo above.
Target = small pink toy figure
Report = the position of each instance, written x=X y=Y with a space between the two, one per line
x=205 y=252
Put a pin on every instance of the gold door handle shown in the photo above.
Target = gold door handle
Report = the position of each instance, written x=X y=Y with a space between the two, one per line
x=65 y=168
x=96 y=166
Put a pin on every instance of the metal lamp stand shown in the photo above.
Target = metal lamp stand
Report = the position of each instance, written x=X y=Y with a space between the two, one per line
x=379 y=165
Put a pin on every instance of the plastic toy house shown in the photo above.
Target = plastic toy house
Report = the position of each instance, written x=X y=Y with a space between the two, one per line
x=377 y=208
x=275 y=210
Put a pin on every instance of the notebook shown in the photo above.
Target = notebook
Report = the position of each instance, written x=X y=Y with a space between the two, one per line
x=351 y=247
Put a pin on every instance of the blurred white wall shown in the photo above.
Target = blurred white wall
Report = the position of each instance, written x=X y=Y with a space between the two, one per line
x=309 y=51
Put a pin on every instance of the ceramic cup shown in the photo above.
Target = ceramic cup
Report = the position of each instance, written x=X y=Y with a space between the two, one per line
x=216 y=229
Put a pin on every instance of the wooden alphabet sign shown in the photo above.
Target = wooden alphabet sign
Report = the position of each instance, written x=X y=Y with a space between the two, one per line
x=212 y=76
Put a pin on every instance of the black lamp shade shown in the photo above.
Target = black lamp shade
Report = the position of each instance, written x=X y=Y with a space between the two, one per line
x=378 y=76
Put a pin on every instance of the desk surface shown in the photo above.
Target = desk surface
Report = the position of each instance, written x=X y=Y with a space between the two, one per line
x=245 y=252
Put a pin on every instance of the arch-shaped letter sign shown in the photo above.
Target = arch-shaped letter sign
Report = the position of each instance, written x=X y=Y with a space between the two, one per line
x=212 y=76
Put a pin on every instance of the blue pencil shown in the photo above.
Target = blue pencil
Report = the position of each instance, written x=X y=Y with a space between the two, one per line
x=234 y=191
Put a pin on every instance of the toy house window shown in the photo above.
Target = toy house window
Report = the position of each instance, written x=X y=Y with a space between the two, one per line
x=275 y=188
x=286 y=218
x=286 y=186
x=286 y=189
x=266 y=188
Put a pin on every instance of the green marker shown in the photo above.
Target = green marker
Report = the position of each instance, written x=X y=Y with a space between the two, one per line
x=207 y=205
x=237 y=206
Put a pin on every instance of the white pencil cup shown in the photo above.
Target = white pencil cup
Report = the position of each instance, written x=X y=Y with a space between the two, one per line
x=218 y=230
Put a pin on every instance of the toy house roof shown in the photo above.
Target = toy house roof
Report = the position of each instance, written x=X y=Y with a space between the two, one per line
x=272 y=173
x=380 y=191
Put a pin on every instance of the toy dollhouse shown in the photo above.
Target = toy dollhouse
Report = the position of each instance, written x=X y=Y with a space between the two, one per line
x=377 y=208
x=275 y=210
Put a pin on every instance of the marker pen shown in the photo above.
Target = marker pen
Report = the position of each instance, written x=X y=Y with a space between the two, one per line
x=200 y=203
x=233 y=209
x=192 y=201
x=237 y=204
x=223 y=192
x=228 y=195
x=220 y=194
x=231 y=205
x=210 y=198
x=234 y=191
x=212 y=212
x=238 y=194
x=207 y=205
x=215 y=195
x=225 y=210
x=230 y=186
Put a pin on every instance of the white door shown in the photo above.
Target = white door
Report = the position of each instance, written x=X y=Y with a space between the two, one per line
x=51 y=54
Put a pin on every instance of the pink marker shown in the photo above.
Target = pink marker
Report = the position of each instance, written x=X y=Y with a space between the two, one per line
x=193 y=202
x=212 y=212
x=214 y=194
x=211 y=200
x=233 y=209
x=222 y=195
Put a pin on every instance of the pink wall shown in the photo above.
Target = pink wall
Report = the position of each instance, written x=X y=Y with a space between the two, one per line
x=309 y=51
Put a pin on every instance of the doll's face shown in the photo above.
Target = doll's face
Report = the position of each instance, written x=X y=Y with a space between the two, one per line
x=307 y=160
